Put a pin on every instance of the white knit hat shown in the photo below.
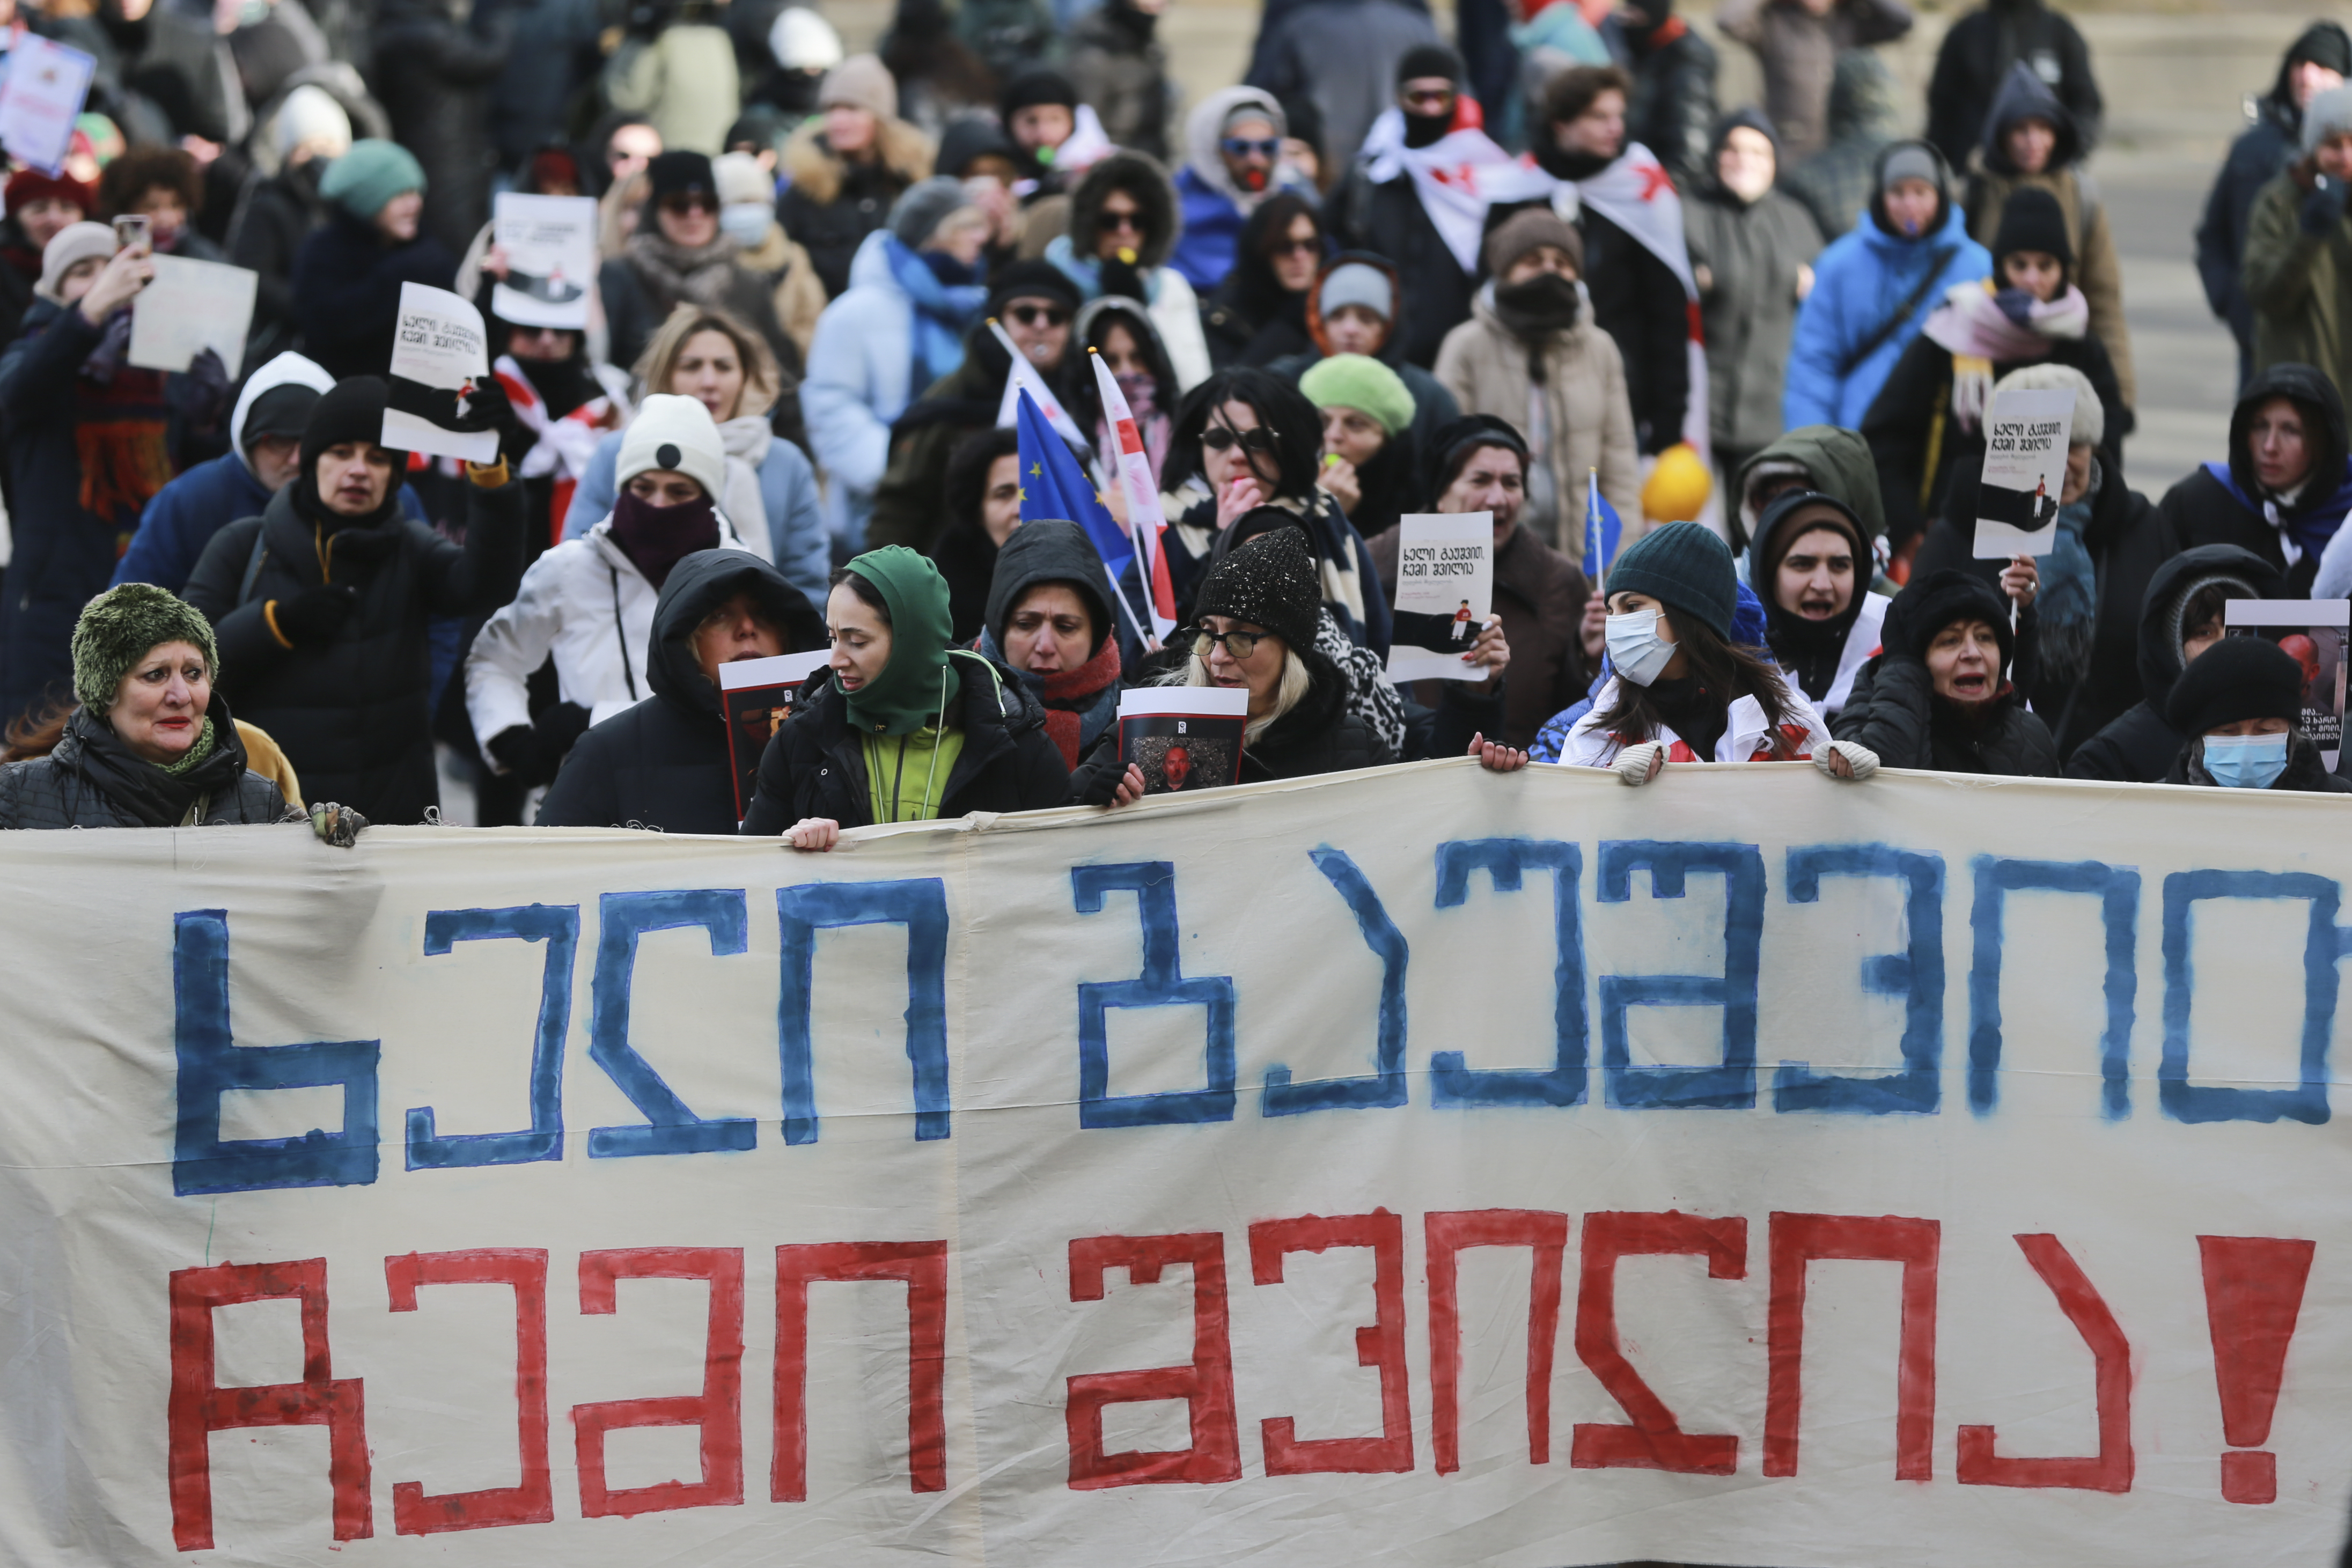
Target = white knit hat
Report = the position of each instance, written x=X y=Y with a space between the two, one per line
x=2090 y=426
x=74 y=243
x=803 y=41
x=677 y=434
x=310 y=113
x=742 y=180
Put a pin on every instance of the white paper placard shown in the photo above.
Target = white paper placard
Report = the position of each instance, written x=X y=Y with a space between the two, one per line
x=439 y=345
x=776 y=670
x=1205 y=702
x=47 y=84
x=2024 y=472
x=190 y=307
x=550 y=252
x=1444 y=589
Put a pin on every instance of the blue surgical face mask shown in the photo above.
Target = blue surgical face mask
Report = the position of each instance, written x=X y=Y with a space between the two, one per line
x=2245 y=761
x=1635 y=649
x=746 y=223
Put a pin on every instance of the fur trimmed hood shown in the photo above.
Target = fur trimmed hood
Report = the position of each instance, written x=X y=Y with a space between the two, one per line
x=815 y=170
x=1140 y=177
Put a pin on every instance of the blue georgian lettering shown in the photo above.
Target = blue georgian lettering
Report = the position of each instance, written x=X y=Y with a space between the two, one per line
x=2323 y=946
x=2117 y=890
x=1161 y=985
x=558 y=926
x=1387 y=1087
x=1506 y=862
x=621 y=919
x=920 y=904
x=1915 y=974
x=210 y=1064
x=1731 y=1085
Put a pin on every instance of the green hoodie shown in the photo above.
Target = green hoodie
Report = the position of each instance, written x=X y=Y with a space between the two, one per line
x=914 y=686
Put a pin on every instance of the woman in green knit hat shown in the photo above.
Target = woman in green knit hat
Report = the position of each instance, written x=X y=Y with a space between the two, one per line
x=901 y=726
x=152 y=745
x=1368 y=461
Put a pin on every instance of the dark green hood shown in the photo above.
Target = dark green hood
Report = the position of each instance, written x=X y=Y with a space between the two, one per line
x=1839 y=463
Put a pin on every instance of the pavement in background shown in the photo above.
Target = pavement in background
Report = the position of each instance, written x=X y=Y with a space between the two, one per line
x=2186 y=360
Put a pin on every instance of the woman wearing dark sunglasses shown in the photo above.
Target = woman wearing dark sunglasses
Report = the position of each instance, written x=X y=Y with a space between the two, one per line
x=1123 y=223
x=1249 y=440
x=1233 y=168
x=1259 y=313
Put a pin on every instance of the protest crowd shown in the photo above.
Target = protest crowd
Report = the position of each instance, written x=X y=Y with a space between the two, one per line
x=1017 y=393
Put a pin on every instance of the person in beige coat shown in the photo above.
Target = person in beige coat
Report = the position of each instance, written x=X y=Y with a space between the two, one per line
x=746 y=208
x=1530 y=355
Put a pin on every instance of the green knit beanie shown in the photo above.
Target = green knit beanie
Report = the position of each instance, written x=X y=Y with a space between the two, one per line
x=122 y=626
x=1366 y=385
x=372 y=173
x=1684 y=567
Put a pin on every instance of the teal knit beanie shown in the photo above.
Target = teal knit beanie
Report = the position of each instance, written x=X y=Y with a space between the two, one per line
x=122 y=626
x=1366 y=385
x=370 y=174
x=1684 y=567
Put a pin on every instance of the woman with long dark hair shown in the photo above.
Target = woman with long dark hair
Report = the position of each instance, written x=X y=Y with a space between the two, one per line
x=1258 y=315
x=1680 y=688
x=1252 y=440
x=1119 y=330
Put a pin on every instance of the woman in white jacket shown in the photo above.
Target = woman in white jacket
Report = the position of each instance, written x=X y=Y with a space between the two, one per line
x=590 y=601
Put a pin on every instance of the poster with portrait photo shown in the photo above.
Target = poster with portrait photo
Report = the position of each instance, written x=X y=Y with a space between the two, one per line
x=1444 y=589
x=2314 y=631
x=1183 y=738
x=757 y=695
x=2024 y=472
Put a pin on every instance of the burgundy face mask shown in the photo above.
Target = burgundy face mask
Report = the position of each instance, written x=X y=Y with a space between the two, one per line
x=657 y=538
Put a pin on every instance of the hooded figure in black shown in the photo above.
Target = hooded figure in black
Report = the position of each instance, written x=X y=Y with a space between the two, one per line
x=2182 y=607
x=1081 y=695
x=323 y=616
x=1896 y=711
x=2259 y=155
x=2240 y=703
x=664 y=764
x=2288 y=523
x=1975 y=56
x=1824 y=651
x=1433 y=407
x=1252 y=319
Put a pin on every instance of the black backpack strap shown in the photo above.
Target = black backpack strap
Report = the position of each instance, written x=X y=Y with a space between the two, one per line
x=1894 y=323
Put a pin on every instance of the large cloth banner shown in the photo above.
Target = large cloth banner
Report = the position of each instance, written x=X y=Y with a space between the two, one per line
x=1413 y=1169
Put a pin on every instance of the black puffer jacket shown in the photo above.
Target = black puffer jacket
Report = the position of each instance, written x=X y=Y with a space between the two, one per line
x=1319 y=735
x=1895 y=711
x=354 y=713
x=2207 y=508
x=2307 y=770
x=664 y=763
x=815 y=767
x=2139 y=745
x=93 y=781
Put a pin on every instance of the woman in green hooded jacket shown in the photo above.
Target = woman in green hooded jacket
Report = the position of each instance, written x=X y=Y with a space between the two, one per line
x=901 y=726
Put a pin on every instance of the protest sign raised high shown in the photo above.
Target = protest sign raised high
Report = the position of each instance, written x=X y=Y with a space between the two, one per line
x=1400 y=1170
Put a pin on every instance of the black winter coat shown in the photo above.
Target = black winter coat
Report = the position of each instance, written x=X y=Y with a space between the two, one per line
x=1639 y=303
x=2128 y=542
x=93 y=781
x=354 y=714
x=1895 y=712
x=832 y=231
x=1388 y=220
x=1319 y=735
x=434 y=75
x=815 y=766
x=1671 y=111
x=1977 y=54
x=2139 y=745
x=2307 y=770
x=347 y=292
x=272 y=219
x=664 y=764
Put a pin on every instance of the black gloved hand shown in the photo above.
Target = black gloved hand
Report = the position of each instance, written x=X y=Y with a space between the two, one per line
x=488 y=407
x=516 y=749
x=200 y=394
x=2324 y=208
x=315 y=614
x=558 y=730
x=1102 y=783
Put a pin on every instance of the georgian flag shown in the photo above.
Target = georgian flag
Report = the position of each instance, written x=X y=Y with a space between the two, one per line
x=1145 y=521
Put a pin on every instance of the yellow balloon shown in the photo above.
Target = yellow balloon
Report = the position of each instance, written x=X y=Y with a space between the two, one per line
x=1677 y=487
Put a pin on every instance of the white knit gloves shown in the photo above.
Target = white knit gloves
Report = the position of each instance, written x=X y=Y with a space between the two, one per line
x=1861 y=759
x=1638 y=764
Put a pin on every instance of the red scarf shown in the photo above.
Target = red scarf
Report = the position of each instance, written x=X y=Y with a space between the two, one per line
x=1063 y=724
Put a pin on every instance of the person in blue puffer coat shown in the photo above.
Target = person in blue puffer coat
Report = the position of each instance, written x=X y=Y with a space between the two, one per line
x=1874 y=288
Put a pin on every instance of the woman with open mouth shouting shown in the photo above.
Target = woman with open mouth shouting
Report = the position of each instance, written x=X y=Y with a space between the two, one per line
x=1943 y=691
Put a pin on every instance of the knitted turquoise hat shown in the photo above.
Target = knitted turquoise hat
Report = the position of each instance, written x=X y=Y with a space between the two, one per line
x=122 y=626
x=1684 y=567
x=1364 y=384
x=370 y=174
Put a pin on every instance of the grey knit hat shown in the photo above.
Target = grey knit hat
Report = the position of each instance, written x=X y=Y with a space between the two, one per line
x=120 y=627
x=1684 y=567
x=2329 y=114
x=1268 y=581
x=926 y=206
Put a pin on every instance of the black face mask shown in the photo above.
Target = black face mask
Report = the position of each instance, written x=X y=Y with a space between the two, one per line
x=1562 y=164
x=1423 y=129
x=1547 y=302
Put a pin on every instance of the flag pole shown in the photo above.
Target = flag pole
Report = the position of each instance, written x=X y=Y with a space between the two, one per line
x=1134 y=531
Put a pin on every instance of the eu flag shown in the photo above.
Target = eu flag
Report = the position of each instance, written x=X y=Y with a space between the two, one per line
x=1054 y=486
x=1602 y=529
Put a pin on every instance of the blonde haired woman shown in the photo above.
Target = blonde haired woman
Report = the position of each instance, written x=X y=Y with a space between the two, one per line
x=770 y=494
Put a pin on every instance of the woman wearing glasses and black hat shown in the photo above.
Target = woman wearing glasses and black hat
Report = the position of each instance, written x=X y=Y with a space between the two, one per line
x=1254 y=441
